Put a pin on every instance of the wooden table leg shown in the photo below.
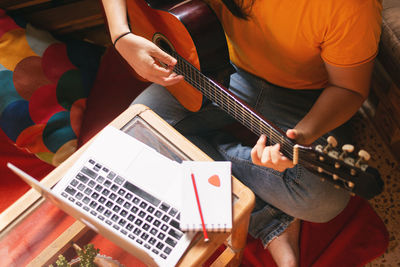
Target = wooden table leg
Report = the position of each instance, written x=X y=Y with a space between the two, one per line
x=232 y=256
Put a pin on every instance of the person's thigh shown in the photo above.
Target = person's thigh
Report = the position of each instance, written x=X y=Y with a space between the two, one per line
x=209 y=118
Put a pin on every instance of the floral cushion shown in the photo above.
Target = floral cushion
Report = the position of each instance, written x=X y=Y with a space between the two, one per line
x=44 y=84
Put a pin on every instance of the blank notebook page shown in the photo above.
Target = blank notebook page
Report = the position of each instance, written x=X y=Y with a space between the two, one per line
x=214 y=186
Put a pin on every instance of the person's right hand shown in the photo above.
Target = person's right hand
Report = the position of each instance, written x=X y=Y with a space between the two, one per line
x=145 y=57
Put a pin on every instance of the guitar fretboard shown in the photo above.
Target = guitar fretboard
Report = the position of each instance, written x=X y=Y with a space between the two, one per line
x=231 y=104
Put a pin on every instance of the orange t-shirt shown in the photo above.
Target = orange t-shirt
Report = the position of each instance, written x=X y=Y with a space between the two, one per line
x=287 y=41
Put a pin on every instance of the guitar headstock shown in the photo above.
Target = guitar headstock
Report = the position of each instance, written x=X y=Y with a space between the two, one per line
x=343 y=167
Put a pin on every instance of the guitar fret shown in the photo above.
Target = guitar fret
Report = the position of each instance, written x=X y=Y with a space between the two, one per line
x=185 y=69
x=214 y=94
x=253 y=124
x=194 y=74
x=241 y=115
x=231 y=109
x=203 y=84
x=260 y=128
x=257 y=126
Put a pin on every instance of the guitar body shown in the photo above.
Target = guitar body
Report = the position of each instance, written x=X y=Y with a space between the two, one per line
x=191 y=29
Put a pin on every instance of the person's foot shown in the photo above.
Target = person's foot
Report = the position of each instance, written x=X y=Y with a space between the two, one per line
x=284 y=249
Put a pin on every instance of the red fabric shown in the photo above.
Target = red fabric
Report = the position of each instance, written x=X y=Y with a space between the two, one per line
x=353 y=238
x=33 y=235
x=114 y=90
x=11 y=187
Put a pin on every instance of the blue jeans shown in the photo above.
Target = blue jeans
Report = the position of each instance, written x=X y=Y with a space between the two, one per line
x=280 y=196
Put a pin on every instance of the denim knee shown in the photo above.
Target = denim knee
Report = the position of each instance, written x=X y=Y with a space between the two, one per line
x=314 y=200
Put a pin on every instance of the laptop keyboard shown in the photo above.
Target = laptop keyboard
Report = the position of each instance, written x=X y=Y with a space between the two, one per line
x=148 y=221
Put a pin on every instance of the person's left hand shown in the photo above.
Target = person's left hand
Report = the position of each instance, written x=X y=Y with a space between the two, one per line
x=271 y=156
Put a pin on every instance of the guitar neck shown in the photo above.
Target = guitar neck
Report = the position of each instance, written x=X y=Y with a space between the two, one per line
x=233 y=105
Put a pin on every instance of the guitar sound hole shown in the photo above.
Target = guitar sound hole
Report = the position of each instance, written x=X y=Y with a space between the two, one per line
x=162 y=42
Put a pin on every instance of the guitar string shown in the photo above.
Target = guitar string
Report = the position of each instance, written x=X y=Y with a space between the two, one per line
x=218 y=94
x=223 y=104
x=244 y=113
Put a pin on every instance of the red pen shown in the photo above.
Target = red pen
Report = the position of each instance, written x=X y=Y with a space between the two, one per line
x=200 y=212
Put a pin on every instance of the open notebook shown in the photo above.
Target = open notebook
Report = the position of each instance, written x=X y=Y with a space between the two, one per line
x=126 y=191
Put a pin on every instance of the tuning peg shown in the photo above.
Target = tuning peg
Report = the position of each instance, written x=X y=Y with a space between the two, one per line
x=346 y=150
x=331 y=143
x=363 y=157
x=350 y=184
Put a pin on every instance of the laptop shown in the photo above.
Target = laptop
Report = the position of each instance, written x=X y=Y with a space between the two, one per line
x=127 y=192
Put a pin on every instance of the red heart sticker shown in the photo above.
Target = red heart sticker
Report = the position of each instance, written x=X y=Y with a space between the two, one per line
x=214 y=180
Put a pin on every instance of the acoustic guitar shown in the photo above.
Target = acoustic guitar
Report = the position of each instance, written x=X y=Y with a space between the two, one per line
x=190 y=31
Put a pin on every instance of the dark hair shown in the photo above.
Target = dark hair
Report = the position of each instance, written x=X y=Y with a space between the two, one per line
x=238 y=8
